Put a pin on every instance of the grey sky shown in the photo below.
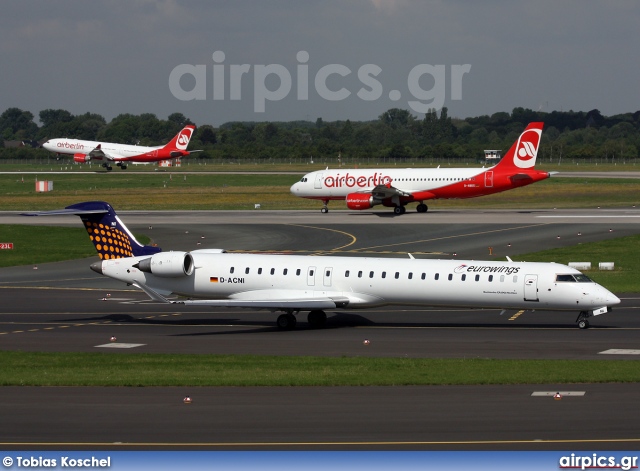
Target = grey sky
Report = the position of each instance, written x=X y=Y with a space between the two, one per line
x=113 y=57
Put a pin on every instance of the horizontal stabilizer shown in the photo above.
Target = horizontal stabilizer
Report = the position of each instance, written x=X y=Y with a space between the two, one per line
x=67 y=211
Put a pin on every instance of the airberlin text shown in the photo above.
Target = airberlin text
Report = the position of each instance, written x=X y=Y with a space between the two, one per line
x=231 y=280
x=70 y=145
x=63 y=462
x=361 y=181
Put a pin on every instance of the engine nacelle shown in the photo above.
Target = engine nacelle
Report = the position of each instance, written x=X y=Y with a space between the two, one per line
x=81 y=158
x=167 y=264
x=360 y=201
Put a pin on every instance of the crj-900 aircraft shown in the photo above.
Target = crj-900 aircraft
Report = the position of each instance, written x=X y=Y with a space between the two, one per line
x=365 y=188
x=295 y=283
x=107 y=153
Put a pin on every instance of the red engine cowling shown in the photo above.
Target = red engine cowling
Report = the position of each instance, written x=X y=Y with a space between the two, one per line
x=81 y=158
x=360 y=201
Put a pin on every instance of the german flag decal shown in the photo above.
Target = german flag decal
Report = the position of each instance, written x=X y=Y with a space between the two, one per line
x=213 y=279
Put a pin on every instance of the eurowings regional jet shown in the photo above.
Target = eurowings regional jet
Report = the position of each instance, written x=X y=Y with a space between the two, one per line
x=295 y=283
x=364 y=188
x=107 y=152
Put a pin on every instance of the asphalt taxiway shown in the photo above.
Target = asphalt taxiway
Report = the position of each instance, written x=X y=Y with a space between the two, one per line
x=66 y=307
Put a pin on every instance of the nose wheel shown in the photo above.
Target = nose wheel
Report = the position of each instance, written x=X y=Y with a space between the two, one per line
x=582 y=321
x=325 y=208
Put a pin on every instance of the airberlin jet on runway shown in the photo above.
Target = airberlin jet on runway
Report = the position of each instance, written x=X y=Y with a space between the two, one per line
x=365 y=188
x=294 y=283
x=106 y=152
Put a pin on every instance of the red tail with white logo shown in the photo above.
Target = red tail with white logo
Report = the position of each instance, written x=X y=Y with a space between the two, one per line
x=522 y=154
x=177 y=146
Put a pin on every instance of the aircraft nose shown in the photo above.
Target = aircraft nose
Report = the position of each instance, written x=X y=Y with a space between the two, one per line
x=96 y=267
x=613 y=299
x=294 y=188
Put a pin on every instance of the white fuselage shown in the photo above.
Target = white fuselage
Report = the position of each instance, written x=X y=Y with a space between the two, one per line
x=368 y=282
x=337 y=184
x=114 y=151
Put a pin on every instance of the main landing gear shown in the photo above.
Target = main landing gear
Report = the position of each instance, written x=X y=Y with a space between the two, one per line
x=316 y=319
x=122 y=165
x=421 y=208
x=108 y=167
x=582 y=321
x=325 y=208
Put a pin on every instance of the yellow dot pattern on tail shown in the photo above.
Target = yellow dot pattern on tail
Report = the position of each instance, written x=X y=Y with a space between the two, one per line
x=110 y=242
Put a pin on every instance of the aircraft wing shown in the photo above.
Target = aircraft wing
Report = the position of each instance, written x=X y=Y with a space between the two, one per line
x=387 y=191
x=330 y=302
x=99 y=154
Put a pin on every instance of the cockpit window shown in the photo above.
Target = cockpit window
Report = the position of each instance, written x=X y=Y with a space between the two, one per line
x=580 y=278
x=583 y=278
x=565 y=278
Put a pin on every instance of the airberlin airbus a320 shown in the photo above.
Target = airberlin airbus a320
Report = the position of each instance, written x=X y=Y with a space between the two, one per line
x=107 y=152
x=365 y=188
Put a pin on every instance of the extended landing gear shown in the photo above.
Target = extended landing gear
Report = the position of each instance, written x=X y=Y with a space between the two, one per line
x=121 y=165
x=108 y=167
x=398 y=210
x=422 y=208
x=325 y=209
x=317 y=319
x=286 y=321
x=582 y=321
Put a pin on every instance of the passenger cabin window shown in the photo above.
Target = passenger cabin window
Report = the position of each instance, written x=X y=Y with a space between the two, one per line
x=259 y=271
x=424 y=276
x=490 y=277
x=360 y=274
x=515 y=278
x=346 y=274
x=273 y=271
x=327 y=273
x=501 y=278
x=477 y=277
x=410 y=276
x=450 y=277
x=284 y=272
x=384 y=274
x=370 y=274
x=246 y=270
x=437 y=276
x=298 y=272
x=397 y=275
x=231 y=270
x=464 y=277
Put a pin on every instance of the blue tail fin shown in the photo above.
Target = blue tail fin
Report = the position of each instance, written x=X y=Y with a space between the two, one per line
x=108 y=233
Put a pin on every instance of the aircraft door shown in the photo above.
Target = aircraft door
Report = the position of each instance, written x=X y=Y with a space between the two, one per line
x=327 y=276
x=311 y=276
x=531 y=288
x=488 y=179
x=318 y=183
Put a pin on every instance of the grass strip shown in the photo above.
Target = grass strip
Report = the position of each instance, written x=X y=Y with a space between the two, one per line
x=122 y=369
x=44 y=244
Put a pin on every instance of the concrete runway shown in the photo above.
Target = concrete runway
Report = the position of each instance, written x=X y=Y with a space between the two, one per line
x=60 y=307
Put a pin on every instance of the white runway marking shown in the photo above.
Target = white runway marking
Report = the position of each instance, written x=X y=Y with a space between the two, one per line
x=120 y=345
x=562 y=393
x=620 y=351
